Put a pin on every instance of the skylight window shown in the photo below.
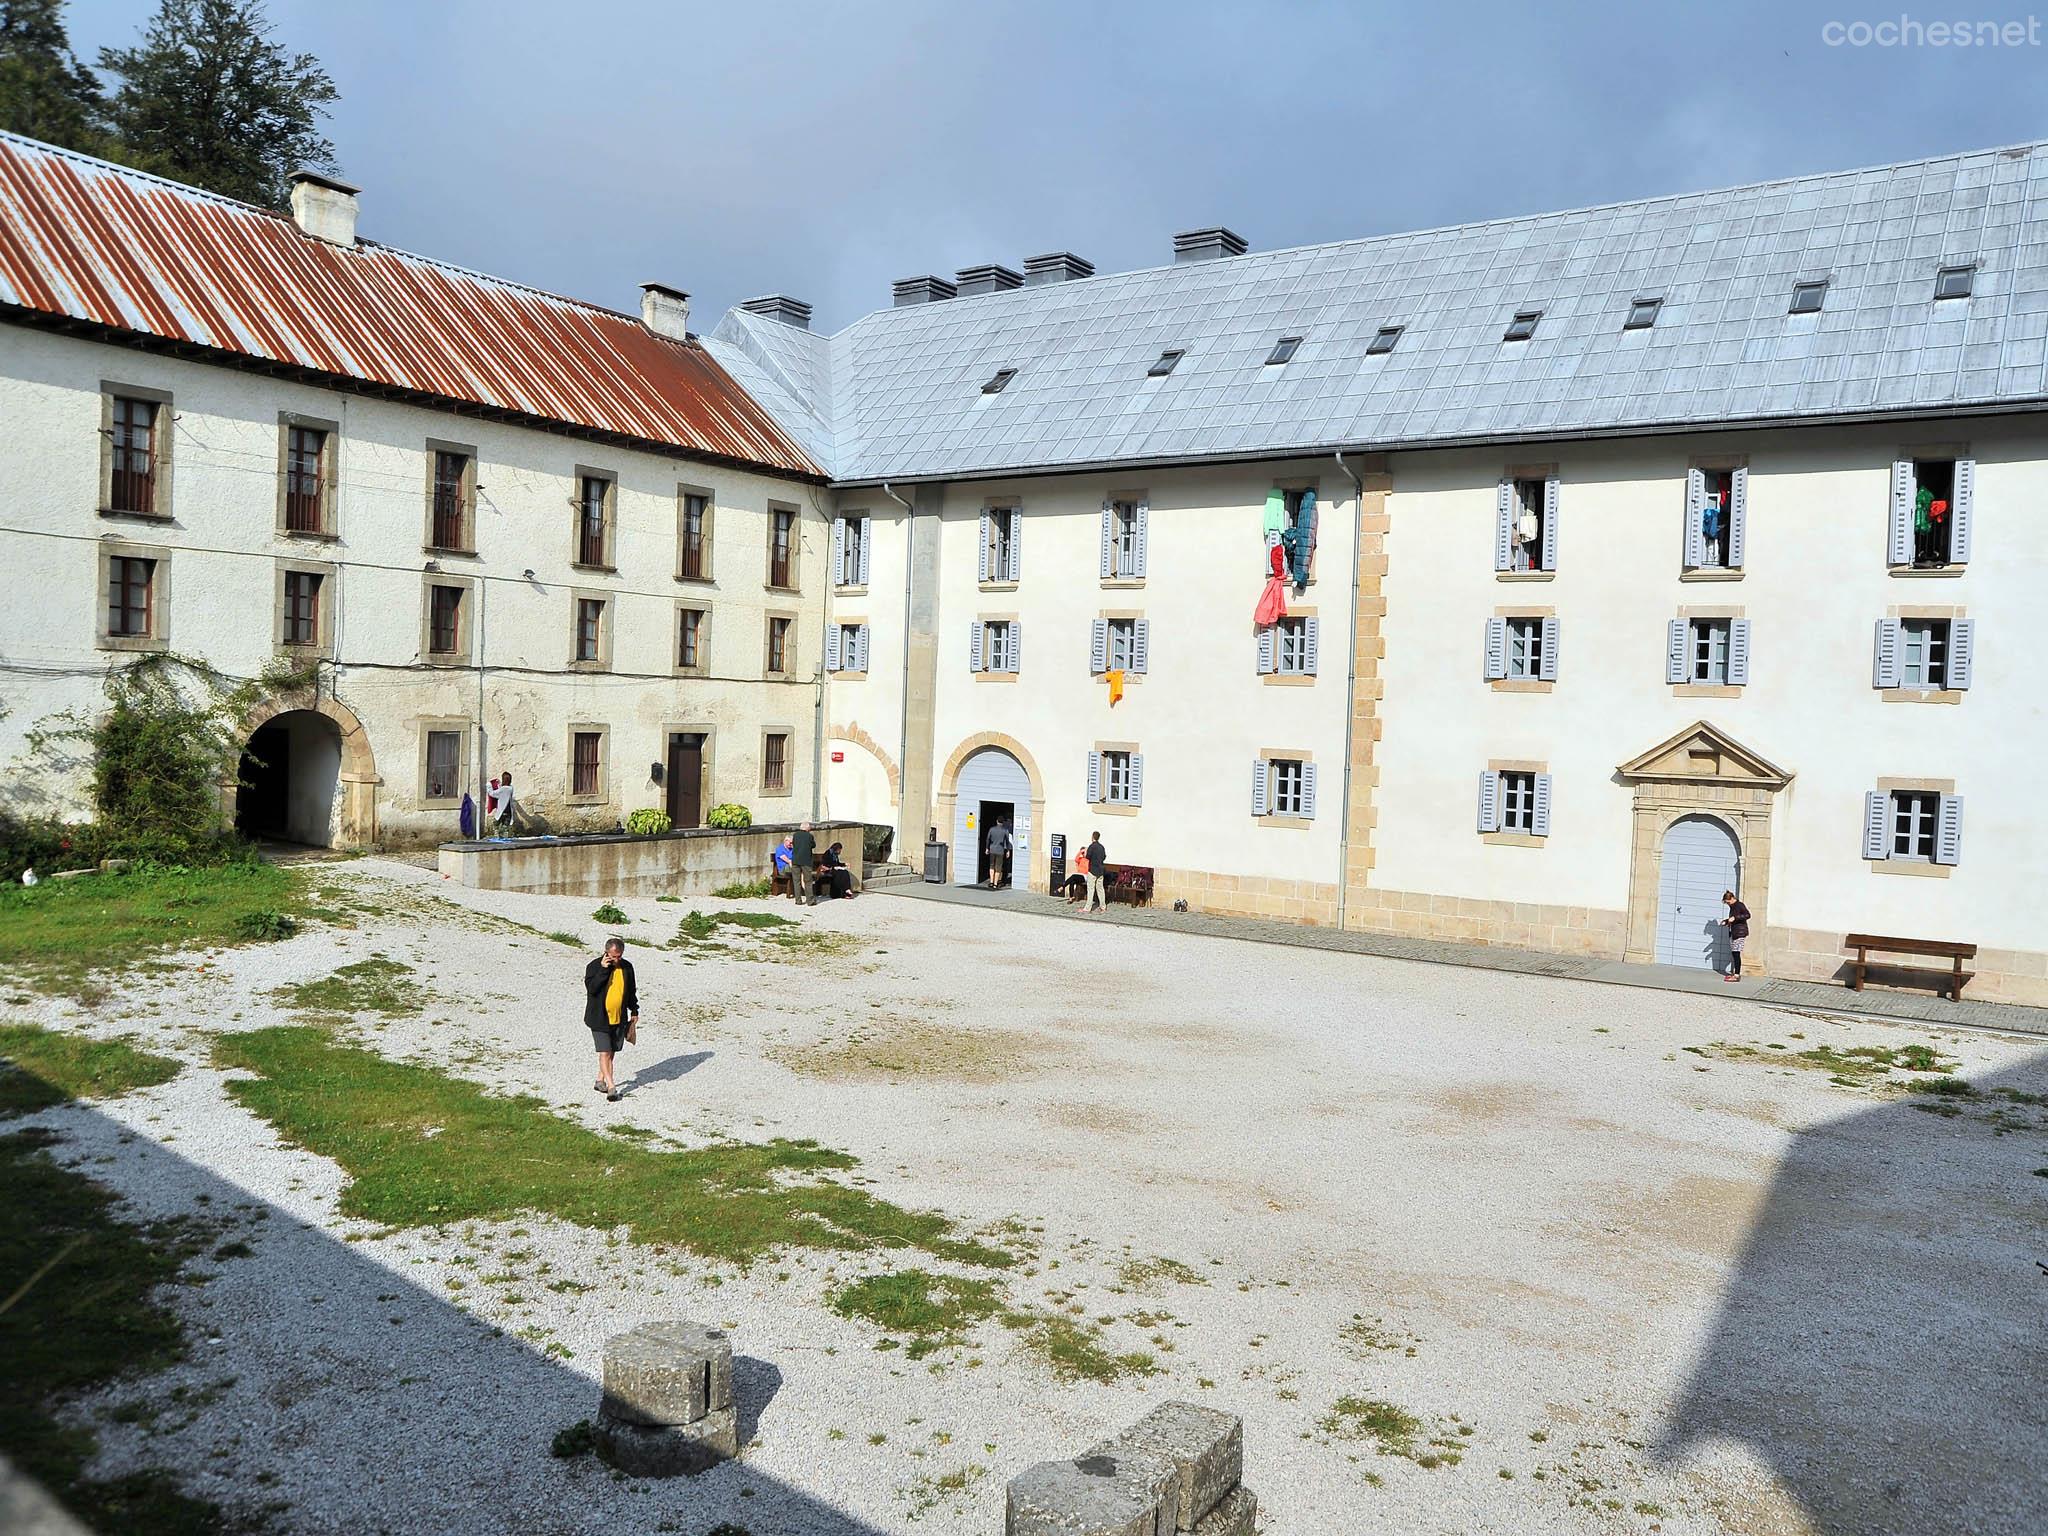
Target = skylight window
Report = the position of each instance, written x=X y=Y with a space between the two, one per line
x=1168 y=361
x=1642 y=314
x=1283 y=351
x=1000 y=382
x=1807 y=297
x=1383 y=343
x=1954 y=282
x=1523 y=326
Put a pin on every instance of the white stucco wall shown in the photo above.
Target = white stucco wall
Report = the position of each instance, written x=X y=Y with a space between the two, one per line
x=1814 y=586
x=223 y=580
x=866 y=710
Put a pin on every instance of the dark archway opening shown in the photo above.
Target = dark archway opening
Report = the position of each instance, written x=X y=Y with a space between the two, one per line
x=290 y=780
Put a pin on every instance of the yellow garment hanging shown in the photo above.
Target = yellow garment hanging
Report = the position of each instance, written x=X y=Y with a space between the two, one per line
x=1116 y=685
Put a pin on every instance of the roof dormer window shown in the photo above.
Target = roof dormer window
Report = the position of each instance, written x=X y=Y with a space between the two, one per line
x=1283 y=351
x=1642 y=314
x=1523 y=326
x=1383 y=343
x=1000 y=382
x=1807 y=296
x=1168 y=361
x=1955 y=282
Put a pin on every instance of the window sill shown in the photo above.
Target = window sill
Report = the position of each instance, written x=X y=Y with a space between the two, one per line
x=1512 y=839
x=1922 y=695
x=1925 y=869
x=1286 y=823
x=986 y=676
x=692 y=672
x=595 y=570
x=311 y=535
x=1521 y=685
x=586 y=799
x=996 y=586
x=133 y=643
x=304 y=653
x=777 y=677
x=769 y=586
x=696 y=581
x=1525 y=575
x=135 y=516
x=590 y=666
x=860 y=590
x=1113 y=808
x=1927 y=572
x=1289 y=679
x=438 y=550
x=1122 y=583
x=459 y=659
x=1131 y=679
x=1705 y=691
x=440 y=804
x=1709 y=573
x=776 y=794
x=849 y=677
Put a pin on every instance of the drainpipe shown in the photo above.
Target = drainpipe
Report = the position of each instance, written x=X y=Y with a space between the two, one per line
x=1350 y=687
x=482 y=745
x=903 y=712
x=818 y=685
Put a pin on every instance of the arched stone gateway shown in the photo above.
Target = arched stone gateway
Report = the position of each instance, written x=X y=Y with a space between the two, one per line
x=1007 y=764
x=307 y=774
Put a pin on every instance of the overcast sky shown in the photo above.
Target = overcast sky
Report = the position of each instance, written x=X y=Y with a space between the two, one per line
x=824 y=150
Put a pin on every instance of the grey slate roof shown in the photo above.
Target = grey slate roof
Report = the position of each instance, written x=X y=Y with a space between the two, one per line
x=897 y=394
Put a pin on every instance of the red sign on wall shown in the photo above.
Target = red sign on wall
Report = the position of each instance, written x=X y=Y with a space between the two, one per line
x=838 y=757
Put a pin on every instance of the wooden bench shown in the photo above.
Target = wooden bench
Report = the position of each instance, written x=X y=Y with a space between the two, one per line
x=1129 y=883
x=1955 y=976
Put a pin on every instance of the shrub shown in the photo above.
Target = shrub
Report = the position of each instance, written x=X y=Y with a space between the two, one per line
x=741 y=890
x=609 y=914
x=266 y=923
x=648 y=822
x=45 y=845
x=875 y=842
x=579 y=1439
x=729 y=817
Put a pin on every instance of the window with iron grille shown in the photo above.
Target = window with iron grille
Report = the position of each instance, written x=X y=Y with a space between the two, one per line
x=1288 y=797
x=301 y=608
x=593 y=494
x=586 y=767
x=1923 y=653
x=444 y=621
x=1707 y=650
x=451 y=500
x=782 y=548
x=305 y=480
x=778 y=645
x=133 y=486
x=1525 y=648
x=131 y=583
x=589 y=629
x=696 y=535
x=444 y=765
x=1518 y=802
x=1116 y=778
x=690 y=638
x=1915 y=817
x=775 y=761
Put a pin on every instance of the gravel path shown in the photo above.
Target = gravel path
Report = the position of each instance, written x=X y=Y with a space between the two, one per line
x=1643 y=1288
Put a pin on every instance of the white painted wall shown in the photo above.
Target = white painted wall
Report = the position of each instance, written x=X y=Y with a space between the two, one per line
x=223 y=577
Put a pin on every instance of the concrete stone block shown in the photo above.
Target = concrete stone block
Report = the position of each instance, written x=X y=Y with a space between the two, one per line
x=1206 y=1447
x=1112 y=1490
x=1236 y=1514
x=669 y=1372
x=669 y=1450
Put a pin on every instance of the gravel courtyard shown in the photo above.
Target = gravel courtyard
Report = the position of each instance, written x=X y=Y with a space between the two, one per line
x=1611 y=1272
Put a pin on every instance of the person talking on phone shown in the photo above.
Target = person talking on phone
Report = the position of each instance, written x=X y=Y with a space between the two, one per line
x=611 y=1008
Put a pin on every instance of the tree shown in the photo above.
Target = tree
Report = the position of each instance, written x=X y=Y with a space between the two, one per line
x=44 y=91
x=209 y=98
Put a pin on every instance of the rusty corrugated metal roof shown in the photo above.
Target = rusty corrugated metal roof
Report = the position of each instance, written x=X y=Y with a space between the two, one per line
x=99 y=243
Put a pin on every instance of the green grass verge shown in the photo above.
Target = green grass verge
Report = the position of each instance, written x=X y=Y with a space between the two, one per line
x=41 y=1067
x=61 y=935
x=932 y=1311
x=491 y=1157
x=76 y=1313
x=701 y=925
x=377 y=985
x=743 y=890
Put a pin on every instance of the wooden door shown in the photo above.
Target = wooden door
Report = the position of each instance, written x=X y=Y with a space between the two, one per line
x=686 y=780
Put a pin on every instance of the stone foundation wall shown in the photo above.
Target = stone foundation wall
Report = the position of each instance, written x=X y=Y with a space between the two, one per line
x=692 y=863
x=2002 y=975
x=1309 y=902
x=1477 y=920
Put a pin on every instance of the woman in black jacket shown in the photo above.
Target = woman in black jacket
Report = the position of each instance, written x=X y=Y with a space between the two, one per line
x=611 y=1008
x=1737 y=924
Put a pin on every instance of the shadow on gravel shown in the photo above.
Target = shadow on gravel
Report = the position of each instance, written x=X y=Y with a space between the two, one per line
x=664 y=1072
x=329 y=1385
x=1883 y=1339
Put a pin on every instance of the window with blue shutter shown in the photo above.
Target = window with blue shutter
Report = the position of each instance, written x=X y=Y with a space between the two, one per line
x=1098 y=646
x=1259 y=786
x=1525 y=538
x=1695 y=509
x=832 y=634
x=1496 y=653
x=1016 y=645
x=1141 y=645
x=987 y=543
x=1675 y=652
x=1738 y=517
x=1884 y=667
x=1539 y=814
x=860 y=573
x=1948 y=833
x=1267 y=661
x=1308 y=790
x=1489 y=800
x=1962 y=651
x=1136 y=795
x=861 y=665
x=1923 y=826
x=1716 y=508
x=1933 y=508
x=1124 y=522
x=1293 y=646
x=1899 y=527
x=1546 y=667
x=1094 y=778
x=1876 y=824
x=1108 y=539
x=1549 y=541
x=839 y=551
x=1504 y=529
x=974 y=646
x=1738 y=653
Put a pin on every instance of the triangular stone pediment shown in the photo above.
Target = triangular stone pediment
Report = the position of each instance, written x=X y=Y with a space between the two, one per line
x=1704 y=754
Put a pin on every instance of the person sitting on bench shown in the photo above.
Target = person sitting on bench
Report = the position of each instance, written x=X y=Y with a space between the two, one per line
x=779 y=866
x=833 y=869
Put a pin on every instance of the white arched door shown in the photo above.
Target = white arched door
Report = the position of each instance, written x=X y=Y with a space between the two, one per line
x=991 y=777
x=1700 y=860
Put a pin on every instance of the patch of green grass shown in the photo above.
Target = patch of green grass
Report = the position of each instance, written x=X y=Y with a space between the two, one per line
x=59 y=935
x=676 y=899
x=936 y=1310
x=492 y=1157
x=41 y=1067
x=569 y=939
x=1074 y=1350
x=1849 y=1066
x=610 y=915
x=377 y=985
x=1141 y=1274
x=77 y=1314
x=698 y=926
x=1390 y=1426
x=744 y=890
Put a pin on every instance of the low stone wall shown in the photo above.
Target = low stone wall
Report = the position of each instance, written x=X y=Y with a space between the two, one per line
x=692 y=863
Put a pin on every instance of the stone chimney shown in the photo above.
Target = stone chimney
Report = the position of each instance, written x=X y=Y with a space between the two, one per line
x=1055 y=267
x=989 y=278
x=665 y=311
x=920 y=290
x=324 y=208
x=780 y=306
x=1207 y=244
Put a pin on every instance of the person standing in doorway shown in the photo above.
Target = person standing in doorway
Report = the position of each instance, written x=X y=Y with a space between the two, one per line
x=611 y=1008
x=998 y=852
x=803 y=858
x=1097 y=861
x=1737 y=924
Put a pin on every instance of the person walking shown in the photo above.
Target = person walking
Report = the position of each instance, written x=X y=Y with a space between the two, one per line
x=1737 y=924
x=611 y=1008
x=803 y=858
x=1097 y=860
x=998 y=852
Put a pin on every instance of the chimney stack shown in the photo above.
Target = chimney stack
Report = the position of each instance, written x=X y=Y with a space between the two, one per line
x=1056 y=267
x=665 y=311
x=989 y=278
x=324 y=208
x=780 y=306
x=1207 y=244
x=921 y=290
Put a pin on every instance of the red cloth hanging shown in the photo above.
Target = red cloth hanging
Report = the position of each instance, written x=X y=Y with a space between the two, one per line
x=1278 y=559
x=1272 y=602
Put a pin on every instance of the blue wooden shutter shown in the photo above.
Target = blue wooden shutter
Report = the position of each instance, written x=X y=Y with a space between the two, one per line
x=1962 y=650
x=1948 y=831
x=1311 y=645
x=1496 y=662
x=839 y=551
x=1539 y=819
x=1961 y=512
x=1503 y=529
x=1695 y=506
x=1738 y=517
x=1108 y=542
x=985 y=531
x=867 y=540
x=1098 y=646
x=1016 y=645
x=1899 y=535
x=832 y=648
x=1546 y=667
x=1144 y=518
x=1014 y=567
x=1094 y=784
x=1738 y=652
x=1259 y=767
x=1489 y=801
x=974 y=646
x=862 y=664
x=1876 y=812
x=1137 y=778
x=1674 y=652
x=1141 y=644
x=1550 y=524
x=1268 y=648
x=1308 y=790
x=1884 y=666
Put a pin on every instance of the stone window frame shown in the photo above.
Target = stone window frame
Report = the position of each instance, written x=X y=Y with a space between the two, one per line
x=1713 y=464
x=703 y=611
x=1277 y=678
x=1112 y=616
x=434 y=448
x=792 y=645
x=1105 y=805
x=465 y=651
x=1505 y=839
x=1546 y=471
x=1012 y=507
x=982 y=673
x=843 y=622
x=1920 y=869
x=604 y=763
x=158 y=638
x=462 y=730
x=329 y=530
x=606 y=628
x=1729 y=611
x=1304 y=483
x=160 y=447
x=866 y=520
x=1910 y=695
x=788 y=735
x=610 y=553
x=685 y=490
x=1272 y=755
x=322 y=648
x=796 y=550
x=1142 y=556
x=1523 y=684
x=1952 y=451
